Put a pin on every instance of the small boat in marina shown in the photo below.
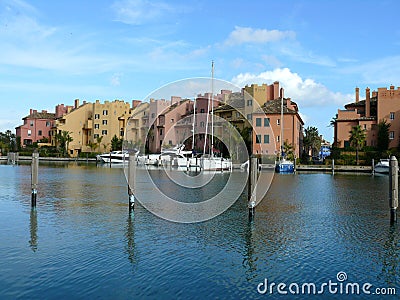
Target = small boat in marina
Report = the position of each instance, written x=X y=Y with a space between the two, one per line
x=382 y=167
x=114 y=157
x=284 y=166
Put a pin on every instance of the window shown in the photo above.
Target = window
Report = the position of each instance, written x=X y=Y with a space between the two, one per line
x=258 y=138
x=40 y=132
x=104 y=122
x=258 y=122
x=365 y=126
x=249 y=117
x=202 y=111
x=266 y=138
x=170 y=142
x=31 y=123
x=47 y=123
x=266 y=122
x=201 y=124
x=161 y=131
x=96 y=126
x=278 y=122
x=105 y=112
x=277 y=138
x=172 y=120
x=29 y=132
x=104 y=132
x=238 y=114
x=250 y=102
x=121 y=133
x=153 y=115
x=392 y=116
x=391 y=135
x=96 y=136
x=97 y=116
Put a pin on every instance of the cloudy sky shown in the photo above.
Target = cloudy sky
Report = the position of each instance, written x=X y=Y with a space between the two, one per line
x=53 y=52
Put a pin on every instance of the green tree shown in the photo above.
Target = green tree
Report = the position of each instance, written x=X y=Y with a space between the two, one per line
x=288 y=149
x=312 y=140
x=98 y=140
x=92 y=146
x=116 y=143
x=357 y=139
x=63 y=139
x=383 y=135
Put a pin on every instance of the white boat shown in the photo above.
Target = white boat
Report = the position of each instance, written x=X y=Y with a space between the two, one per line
x=382 y=166
x=214 y=163
x=176 y=157
x=114 y=157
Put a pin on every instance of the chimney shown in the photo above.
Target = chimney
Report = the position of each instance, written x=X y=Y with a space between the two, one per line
x=76 y=103
x=357 y=94
x=30 y=111
x=281 y=95
x=367 y=103
x=276 y=89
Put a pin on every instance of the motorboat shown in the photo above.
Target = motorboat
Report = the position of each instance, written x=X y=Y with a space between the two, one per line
x=284 y=166
x=113 y=157
x=382 y=166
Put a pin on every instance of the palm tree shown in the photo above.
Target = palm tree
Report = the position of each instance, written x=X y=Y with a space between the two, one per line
x=357 y=139
x=312 y=140
x=288 y=149
x=63 y=139
x=98 y=140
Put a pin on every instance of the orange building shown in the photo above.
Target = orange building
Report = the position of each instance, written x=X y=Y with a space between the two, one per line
x=383 y=104
x=267 y=122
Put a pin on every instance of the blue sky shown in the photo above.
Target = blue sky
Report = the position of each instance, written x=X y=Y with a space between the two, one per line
x=53 y=52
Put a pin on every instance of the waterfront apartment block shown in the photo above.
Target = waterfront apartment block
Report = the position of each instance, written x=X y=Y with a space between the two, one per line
x=380 y=105
x=267 y=125
x=91 y=122
x=138 y=125
x=36 y=127
x=262 y=93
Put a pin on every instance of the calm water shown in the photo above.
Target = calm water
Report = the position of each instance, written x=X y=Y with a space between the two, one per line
x=81 y=242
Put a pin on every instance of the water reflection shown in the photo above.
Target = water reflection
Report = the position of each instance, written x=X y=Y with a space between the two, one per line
x=33 y=228
x=130 y=248
x=390 y=259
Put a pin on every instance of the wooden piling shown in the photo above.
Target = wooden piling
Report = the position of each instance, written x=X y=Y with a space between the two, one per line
x=373 y=166
x=333 y=166
x=34 y=176
x=131 y=180
x=252 y=193
x=393 y=188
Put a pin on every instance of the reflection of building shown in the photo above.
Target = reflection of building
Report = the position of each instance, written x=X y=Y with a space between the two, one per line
x=383 y=104
x=36 y=127
x=90 y=122
x=267 y=127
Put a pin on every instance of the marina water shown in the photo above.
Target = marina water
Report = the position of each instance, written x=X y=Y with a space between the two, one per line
x=82 y=243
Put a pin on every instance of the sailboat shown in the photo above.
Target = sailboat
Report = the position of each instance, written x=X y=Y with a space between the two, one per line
x=283 y=165
x=211 y=162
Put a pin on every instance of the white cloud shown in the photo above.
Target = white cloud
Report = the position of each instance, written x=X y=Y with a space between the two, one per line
x=116 y=79
x=242 y=35
x=306 y=92
x=137 y=12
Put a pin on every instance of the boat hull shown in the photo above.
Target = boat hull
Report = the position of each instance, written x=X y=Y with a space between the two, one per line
x=286 y=168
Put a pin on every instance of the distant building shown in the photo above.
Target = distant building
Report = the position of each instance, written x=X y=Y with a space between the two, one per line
x=138 y=124
x=36 y=127
x=267 y=124
x=383 y=104
x=89 y=122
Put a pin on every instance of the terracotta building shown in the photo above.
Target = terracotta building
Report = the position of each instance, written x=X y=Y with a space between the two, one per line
x=267 y=122
x=36 y=127
x=383 y=104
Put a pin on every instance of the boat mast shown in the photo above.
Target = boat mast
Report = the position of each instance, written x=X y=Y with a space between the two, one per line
x=194 y=122
x=281 y=139
x=212 y=108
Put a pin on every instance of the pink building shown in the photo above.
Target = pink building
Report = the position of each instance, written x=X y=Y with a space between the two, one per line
x=37 y=126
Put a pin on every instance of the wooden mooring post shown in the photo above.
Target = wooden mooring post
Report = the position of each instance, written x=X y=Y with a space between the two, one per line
x=373 y=166
x=333 y=166
x=34 y=176
x=131 y=180
x=252 y=193
x=393 y=188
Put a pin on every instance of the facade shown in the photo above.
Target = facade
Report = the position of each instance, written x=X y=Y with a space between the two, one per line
x=261 y=93
x=267 y=124
x=36 y=127
x=138 y=125
x=380 y=105
x=89 y=122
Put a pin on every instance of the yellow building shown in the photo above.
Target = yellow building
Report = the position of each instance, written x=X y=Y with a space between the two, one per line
x=93 y=125
x=138 y=126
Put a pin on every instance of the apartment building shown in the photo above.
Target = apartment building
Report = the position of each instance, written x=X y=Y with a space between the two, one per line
x=380 y=105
